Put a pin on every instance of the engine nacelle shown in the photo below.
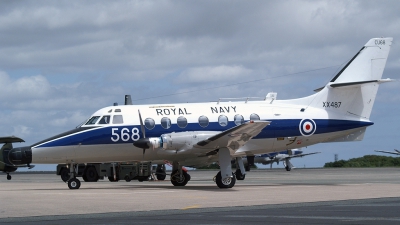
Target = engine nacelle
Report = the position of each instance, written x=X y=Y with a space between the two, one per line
x=180 y=140
x=12 y=158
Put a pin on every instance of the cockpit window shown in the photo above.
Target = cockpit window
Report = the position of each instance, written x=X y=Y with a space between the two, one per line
x=117 y=119
x=105 y=120
x=92 y=120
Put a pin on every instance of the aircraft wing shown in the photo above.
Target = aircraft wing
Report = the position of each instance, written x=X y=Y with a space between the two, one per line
x=235 y=137
x=394 y=153
x=301 y=155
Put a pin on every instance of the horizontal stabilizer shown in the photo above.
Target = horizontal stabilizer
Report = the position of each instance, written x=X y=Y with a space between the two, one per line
x=301 y=155
x=335 y=85
x=10 y=139
x=347 y=84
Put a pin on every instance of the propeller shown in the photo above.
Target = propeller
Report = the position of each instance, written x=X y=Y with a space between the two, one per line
x=143 y=143
x=397 y=150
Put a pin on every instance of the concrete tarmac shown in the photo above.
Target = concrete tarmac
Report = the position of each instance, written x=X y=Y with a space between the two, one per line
x=301 y=196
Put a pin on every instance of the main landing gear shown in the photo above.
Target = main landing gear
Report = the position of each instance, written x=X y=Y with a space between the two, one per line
x=179 y=177
x=8 y=176
x=288 y=165
x=225 y=178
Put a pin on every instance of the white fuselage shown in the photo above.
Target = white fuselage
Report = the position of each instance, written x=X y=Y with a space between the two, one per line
x=292 y=126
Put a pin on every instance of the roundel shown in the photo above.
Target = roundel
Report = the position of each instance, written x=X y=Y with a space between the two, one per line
x=307 y=127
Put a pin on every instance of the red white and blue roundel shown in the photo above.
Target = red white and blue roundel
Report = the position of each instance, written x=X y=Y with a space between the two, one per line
x=307 y=127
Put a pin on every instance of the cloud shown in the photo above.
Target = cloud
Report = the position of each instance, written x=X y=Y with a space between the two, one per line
x=215 y=74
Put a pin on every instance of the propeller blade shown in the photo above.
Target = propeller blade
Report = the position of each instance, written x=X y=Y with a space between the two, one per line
x=270 y=165
x=141 y=124
x=397 y=150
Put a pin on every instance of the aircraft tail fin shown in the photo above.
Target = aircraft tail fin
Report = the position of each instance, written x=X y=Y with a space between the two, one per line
x=353 y=90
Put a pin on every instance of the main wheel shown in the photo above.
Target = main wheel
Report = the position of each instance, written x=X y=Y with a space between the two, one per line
x=64 y=173
x=8 y=177
x=74 y=183
x=228 y=182
x=161 y=176
x=287 y=168
x=177 y=180
x=247 y=168
x=91 y=174
x=239 y=175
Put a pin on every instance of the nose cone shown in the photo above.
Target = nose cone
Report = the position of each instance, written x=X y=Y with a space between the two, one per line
x=143 y=143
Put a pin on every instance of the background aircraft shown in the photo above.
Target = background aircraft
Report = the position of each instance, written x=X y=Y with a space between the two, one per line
x=396 y=152
x=285 y=156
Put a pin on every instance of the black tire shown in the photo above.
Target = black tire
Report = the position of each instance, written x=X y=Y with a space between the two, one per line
x=64 y=173
x=9 y=177
x=287 y=168
x=74 y=183
x=91 y=174
x=239 y=175
x=247 y=168
x=227 y=183
x=161 y=176
x=128 y=178
x=175 y=178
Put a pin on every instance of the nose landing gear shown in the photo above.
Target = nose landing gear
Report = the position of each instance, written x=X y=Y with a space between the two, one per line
x=73 y=182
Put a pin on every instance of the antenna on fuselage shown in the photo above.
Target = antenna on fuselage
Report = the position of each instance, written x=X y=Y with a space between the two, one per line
x=128 y=100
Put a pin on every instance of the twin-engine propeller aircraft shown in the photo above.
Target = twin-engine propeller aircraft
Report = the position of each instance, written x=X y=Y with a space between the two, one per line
x=270 y=158
x=202 y=133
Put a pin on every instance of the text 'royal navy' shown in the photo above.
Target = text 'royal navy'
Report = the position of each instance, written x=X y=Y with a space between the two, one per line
x=223 y=109
x=172 y=111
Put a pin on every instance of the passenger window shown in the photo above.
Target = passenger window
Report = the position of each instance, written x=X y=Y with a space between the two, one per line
x=92 y=120
x=117 y=110
x=223 y=120
x=149 y=123
x=203 y=121
x=239 y=119
x=117 y=119
x=182 y=122
x=254 y=117
x=165 y=122
x=105 y=120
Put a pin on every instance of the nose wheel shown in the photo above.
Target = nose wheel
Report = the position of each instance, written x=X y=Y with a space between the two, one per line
x=8 y=176
x=74 y=183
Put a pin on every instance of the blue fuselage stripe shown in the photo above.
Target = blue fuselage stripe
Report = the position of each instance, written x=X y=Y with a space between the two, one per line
x=277 y=128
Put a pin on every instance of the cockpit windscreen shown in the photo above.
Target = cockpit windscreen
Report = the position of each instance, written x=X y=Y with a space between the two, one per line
x=92 y=120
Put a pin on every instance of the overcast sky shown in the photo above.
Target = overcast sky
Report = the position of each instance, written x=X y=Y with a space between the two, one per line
x=60 y=61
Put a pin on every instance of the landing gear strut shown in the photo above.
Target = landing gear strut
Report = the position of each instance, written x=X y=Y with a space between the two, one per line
x=225 y=178
x=288 y=165
x=73 y=182
x=240 y=171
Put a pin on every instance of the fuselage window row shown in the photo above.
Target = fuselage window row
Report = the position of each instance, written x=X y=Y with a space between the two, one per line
x=182 y=122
